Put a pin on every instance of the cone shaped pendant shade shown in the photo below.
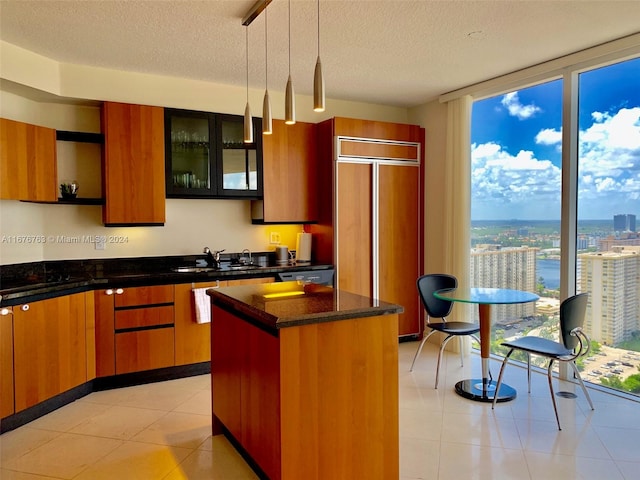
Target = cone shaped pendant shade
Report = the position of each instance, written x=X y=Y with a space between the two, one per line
x=248 y=125
x=318 y=88
x=266 y=114
x=289 y=104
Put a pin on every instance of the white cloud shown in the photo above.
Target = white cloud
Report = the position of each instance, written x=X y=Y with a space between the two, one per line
x=549 y=136
x=516 y=109
x=524 y=186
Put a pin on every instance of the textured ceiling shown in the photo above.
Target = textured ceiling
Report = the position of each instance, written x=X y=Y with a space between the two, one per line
x=393 y=52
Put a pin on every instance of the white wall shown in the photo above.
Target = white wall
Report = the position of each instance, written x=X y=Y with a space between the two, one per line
x=190 y=224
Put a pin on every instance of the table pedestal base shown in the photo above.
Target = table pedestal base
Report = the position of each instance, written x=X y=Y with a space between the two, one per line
x=473 y=390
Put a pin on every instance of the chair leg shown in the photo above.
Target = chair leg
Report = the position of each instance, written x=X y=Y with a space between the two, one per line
x=529 y=371
x=504 y=364
x=442 y=345
x=424 y=339
x=584 y=388
x=553 y=397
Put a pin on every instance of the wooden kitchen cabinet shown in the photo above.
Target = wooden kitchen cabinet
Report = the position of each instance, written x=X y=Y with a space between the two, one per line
x=290 y=184
x=28 y=168
x=193 y=340
x=370 y=220
x=134 y=329
x=309 y=402
x=245 y=388
x=50 y=352
x=6 y=365
x=206 y=156
x=133 y=167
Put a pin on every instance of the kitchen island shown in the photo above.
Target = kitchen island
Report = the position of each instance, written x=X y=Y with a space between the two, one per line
x=305 y=380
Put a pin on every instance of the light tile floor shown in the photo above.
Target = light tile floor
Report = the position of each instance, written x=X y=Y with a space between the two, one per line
x=162 y=431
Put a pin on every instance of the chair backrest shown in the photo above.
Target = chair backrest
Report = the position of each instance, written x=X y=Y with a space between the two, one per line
x=572 y=312
x=427 y=284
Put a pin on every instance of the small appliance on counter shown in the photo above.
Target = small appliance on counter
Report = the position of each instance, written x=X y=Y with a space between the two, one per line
x=303 y=248
x=282 y=255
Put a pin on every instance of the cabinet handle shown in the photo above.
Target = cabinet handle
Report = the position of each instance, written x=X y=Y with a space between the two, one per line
x=25 y=307
x=6 y=311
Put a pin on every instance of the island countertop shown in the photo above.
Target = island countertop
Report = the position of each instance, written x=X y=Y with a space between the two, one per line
x=278 y=305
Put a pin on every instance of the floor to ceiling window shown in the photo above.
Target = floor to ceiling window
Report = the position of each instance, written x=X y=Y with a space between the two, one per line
x=516 y=222
x=515 y=203
x=608 y=247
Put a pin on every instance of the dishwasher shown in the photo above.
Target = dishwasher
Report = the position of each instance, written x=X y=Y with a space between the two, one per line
x=321 y=277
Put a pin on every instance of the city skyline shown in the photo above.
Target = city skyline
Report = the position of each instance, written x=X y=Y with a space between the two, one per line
x=516 y=149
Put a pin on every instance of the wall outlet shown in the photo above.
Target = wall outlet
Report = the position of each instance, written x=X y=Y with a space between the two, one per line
x=275 y=238
x=100 y=242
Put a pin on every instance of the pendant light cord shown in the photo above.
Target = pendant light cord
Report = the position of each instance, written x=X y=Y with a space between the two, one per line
x=289 y=37
x=247 y=56
x=266 y=65
x=318 y=27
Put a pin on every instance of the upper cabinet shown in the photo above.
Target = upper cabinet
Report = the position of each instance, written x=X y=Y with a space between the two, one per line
x=207 y=158
x=133 y=176
x=28 y=168
x=289 y=164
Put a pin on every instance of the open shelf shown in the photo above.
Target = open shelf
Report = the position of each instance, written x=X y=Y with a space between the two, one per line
x=83 y=137
x=81 y=201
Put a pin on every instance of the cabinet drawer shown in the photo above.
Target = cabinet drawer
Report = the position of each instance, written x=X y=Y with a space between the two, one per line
x=145 y=296
x=144 y=350
x=143 y=317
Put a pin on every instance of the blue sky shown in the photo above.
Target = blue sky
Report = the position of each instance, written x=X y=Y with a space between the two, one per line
x=516 y=149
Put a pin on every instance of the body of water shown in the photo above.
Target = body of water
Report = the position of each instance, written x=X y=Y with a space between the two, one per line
x=550 y=271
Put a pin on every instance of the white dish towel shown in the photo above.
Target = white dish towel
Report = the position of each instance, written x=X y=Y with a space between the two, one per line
x=203 y=305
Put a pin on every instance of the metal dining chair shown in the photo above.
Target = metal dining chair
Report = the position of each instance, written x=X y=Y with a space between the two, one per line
x=436 y=308
x=573 y=344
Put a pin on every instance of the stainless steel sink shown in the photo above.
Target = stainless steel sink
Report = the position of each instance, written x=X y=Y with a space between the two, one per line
x=243 y=267
x=193 y=269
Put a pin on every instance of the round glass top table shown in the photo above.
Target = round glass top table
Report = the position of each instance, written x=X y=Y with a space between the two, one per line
x=484 y=389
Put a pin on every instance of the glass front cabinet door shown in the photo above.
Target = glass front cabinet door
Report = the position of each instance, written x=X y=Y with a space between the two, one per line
x=207 y=158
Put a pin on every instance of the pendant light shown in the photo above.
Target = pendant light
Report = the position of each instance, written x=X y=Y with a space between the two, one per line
x=318 y=79
x=289 y=98
x=248 y=122
x=266 y=103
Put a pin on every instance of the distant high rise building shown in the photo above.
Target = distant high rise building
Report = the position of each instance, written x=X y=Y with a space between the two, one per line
x=623 y=240
x=624 y=223
x=493 y=266
x=612 y=280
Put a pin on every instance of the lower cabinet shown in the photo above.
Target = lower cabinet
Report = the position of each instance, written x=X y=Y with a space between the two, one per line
x=245 y=388
x=317 y=401
x=193 y=340
x=141 y=350
x=6 y=365
x=134 y=329
x=49 y=348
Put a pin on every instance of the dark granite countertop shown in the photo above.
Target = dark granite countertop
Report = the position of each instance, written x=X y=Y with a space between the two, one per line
x=273 y=306
x=20 y=283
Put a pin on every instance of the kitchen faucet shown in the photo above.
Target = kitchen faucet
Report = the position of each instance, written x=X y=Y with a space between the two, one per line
x=213 y=259
x=246 y=250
